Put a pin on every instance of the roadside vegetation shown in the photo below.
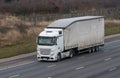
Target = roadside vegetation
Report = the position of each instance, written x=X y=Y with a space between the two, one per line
x=112 y=28
x=18 y=37
x=24 y=47
x=25 y=7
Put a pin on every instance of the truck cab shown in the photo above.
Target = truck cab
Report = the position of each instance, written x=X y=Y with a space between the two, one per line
x=49 y=44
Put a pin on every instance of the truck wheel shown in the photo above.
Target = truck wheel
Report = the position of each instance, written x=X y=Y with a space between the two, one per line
x=59 y=57
x=97 y=48
x=90 y=50
x=93 y=49
x=71 y=53
x=39 y=60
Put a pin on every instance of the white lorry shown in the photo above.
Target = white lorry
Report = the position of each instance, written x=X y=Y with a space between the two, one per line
x=69 y=36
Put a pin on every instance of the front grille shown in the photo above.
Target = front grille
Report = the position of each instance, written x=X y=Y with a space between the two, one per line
x=45 y=51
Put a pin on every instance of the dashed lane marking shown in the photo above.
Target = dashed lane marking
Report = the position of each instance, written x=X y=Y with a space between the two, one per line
x=78 y=68
x=14 y=76
x=49 y=77
x=51 y=66
x=112 y=69
x=107 y=59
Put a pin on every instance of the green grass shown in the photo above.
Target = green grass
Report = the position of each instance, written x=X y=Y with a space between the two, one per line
x=17 y=49
x=112 y=29
x=29 y=45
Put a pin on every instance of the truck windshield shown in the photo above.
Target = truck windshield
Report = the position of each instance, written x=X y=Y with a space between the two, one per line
x=47 y=41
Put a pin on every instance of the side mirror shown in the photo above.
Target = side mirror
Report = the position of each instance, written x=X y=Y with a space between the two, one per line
x=60 y=32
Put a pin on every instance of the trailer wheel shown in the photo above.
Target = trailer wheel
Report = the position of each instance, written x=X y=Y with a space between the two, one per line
x=97 y=48
x=58 y=57
x=90 y=50
x=93 y=49
x=71 y=54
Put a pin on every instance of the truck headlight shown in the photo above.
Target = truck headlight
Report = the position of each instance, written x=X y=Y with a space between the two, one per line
x=52 y=54
x=38 y=52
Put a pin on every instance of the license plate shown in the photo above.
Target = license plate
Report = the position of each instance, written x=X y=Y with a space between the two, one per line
x=44 y=58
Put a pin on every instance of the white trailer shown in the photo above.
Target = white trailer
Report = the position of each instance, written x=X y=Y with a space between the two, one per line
x=69 y=36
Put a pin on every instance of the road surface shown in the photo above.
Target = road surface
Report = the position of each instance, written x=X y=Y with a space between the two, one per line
x=102 y=64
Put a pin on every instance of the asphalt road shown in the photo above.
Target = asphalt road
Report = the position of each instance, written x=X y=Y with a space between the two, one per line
x=102 y=64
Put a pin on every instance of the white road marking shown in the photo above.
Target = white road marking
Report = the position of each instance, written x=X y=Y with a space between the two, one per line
x=79 y=68
x=113 y=42
x=112 y=69
x=16 y=65
x=14 y=76
x=49 y=77
x=107 y=59
x=51 y=65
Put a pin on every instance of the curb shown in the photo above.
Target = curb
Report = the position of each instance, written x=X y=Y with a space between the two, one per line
x=111 y=36
x=34 y=53
x=17 y=57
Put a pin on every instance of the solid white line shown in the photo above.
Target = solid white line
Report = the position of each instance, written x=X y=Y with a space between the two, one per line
x=112 y=36
x=79 y=68
x=16 y=65
x=51 y=66
x=13 y=76
x=113 y=42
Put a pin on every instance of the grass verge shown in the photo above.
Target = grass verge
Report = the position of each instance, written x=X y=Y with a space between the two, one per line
x=17 y=49
x=112 y=28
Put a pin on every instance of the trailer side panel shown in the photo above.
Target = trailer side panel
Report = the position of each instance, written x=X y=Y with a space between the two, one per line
x=84 y=34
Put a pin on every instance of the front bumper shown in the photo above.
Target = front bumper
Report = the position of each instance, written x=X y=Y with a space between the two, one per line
x=46 y=58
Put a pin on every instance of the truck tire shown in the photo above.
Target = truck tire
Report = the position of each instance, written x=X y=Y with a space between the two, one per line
x=58 y=57
x=90 y=50
x=93 y=49
x=71 y=53
x=97 y=48
x=39 y=60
